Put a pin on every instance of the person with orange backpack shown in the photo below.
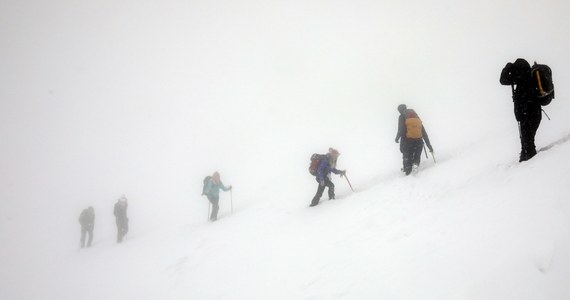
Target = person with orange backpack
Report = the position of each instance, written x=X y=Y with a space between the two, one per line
x=411 y=136
x=321 y=167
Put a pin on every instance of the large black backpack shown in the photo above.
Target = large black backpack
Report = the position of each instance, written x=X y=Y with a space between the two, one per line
x=542 y=75
x=315 y=162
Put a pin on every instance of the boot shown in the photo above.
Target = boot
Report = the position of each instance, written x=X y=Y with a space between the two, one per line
x=415 y=169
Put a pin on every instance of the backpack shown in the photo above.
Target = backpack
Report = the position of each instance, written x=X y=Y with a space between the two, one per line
x=413 y=125
x=206 y=179
x=542 y=74
x=84 y=217
x=315 y=162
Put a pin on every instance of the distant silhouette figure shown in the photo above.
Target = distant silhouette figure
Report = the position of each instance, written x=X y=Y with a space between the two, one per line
x=87 y=221
x=120 y=212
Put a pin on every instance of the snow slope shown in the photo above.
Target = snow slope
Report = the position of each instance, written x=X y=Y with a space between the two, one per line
x=493 y=230
x=145 y=99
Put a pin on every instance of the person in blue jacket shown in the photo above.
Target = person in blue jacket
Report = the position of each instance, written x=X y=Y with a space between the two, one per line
x=212 y=191
x=326 y=166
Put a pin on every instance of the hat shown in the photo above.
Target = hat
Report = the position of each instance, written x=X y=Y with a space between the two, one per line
x=402 y=108
x=333 y=151
x=522 y=64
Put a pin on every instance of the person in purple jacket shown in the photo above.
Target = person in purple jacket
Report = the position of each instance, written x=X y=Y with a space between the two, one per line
x=326 y=166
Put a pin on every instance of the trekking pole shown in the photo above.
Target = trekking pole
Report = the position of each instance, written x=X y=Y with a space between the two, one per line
x=427 y=157
x=433 y=156
x=546 y=114
x=350 y=185
x=232 y=200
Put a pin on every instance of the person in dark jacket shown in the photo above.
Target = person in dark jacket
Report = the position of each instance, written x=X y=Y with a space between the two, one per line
x=528 y=111
x=212 y=192
x=120 y=212
x=411 y=136
x=87 y=221
x=326 y=166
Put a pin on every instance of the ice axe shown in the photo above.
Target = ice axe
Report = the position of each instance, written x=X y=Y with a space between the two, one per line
x=427 y=157
x=350 y=185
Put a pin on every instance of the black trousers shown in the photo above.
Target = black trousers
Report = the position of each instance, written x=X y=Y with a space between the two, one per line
x=85 y=231
x=412 y=154
x=215 y=206
x=122 y=228
x=528 y=129
x=321 y=189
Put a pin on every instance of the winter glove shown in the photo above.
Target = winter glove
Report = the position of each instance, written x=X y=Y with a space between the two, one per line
x=322 y=183
x=230 y=187
x=342 y=173
x=397 y=140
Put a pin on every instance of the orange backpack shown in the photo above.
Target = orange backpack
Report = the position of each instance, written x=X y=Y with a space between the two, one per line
x=413 y=125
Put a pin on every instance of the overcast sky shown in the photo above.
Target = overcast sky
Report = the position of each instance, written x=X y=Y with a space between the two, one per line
x=103 y=98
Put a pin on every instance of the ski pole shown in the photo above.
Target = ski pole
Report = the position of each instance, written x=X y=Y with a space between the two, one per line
x=350 y=185
x=427 y=157
x=433 y=156
x=232 y=200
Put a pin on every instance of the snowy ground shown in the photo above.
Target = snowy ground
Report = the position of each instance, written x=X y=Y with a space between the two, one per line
x=145 y=99
x=477 y=225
